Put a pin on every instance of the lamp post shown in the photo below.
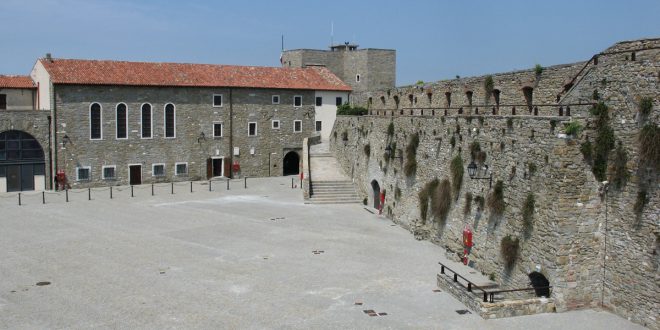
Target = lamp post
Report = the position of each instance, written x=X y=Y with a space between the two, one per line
x=472 y=171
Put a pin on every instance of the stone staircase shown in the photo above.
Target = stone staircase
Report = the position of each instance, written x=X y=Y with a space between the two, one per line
x=333 y=192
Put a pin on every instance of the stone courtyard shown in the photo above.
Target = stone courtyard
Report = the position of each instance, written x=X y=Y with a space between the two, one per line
x=239 y=258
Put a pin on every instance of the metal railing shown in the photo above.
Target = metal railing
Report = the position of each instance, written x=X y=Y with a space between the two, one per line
x=488 y=296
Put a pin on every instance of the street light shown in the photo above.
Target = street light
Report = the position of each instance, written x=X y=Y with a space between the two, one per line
x=472 y=171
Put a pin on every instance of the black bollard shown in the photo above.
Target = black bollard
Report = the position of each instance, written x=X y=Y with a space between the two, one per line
x=210 y=182
x=227 y=183
x=245 y=182
x=172 y=188
x=43 y=197
x=110 y=192
x=191 y=186
x=131 y=191
x=89 y=194
x=67 y=194
x=152 y=189
x=19 y=199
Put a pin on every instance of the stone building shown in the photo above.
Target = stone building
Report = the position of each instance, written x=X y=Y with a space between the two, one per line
x=116 y=122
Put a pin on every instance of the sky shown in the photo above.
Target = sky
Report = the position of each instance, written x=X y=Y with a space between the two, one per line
x=434 y=40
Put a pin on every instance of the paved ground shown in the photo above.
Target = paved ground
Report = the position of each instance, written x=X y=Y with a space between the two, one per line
x=243 y=258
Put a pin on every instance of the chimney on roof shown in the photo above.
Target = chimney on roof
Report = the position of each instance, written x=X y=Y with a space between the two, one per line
x=49 y=57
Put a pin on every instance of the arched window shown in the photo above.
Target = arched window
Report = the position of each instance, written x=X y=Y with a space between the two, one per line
x=95 y=122
x=170 y=121
x=146 y=120
x=122 y=121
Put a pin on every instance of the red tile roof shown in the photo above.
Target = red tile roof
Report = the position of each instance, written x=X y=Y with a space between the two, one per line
x=92 y=72
x=16 y=82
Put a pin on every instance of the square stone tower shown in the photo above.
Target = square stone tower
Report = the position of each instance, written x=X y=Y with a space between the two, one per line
x=366 y=69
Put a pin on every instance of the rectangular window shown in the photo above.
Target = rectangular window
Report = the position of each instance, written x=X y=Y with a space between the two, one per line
x=217 y=130
x=122 y=122
x=170 y=121
x=276 y=99
x=318 y=125
x=3 y=101
x=319 y=101
x=338 y=101
x=297 y=125
x=275 y=124
x=252 y=129
x=181 y=169
x=158 y=170
x=109 y=172
x=217 y=100
x=83 y=173
x=297 y=101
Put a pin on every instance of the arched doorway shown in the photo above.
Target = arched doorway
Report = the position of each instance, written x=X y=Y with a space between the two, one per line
x=376 y=194
x=540 y=284
x=22 y=164
x=291 y=163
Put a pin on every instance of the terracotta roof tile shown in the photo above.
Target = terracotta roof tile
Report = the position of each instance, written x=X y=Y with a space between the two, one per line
x=16 y=82
x=93 y=72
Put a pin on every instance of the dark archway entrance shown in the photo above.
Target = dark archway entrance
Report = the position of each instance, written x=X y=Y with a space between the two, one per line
x=376 y=194
x=540 y=284
x=291 y=163
x=22 y=164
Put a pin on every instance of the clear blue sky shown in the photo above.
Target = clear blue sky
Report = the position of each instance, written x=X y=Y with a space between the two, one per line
x=434 y=39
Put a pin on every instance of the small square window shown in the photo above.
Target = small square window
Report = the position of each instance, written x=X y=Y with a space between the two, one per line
x=109 y=173
x=158 y=170
x=217 y=100
x=252 y=129
x=181 y=169
x=297 y=125
x=275 y=124
x=83 y=173
x=338 y=101
x=319 y=125
x=217 y=129
x=276 y=99
x=297 y=101
x=319 y=101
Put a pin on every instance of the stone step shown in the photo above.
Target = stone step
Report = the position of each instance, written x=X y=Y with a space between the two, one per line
x=334 y=191
x=332 y=184
x=333 y=201
x=341 y=196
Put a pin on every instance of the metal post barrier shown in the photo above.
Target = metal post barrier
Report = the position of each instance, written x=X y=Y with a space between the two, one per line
x=442 y=269
x=110 y=192
x=19 y=199
x=152 y=189
x=245 y=182
x=172 y=188
x=191 y=186
x=227 y=183
x=89 y=194
x=210 y=183
x=291 y=183
x=301 y=179
x=485 y=296
x=43 y=197
x=131 y=191
x=469 y=286
x=455 y=277
x=66 y=191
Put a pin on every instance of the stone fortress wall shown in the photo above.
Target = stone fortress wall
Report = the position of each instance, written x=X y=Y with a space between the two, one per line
x=589 y=244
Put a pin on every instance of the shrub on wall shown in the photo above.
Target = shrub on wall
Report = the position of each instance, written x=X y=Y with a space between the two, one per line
x=538 y=69
x=528 y=213
x=604 y=141
x=496 y=199
x=441 y=201
x=489 y=85
x=390 y=130
x=640 y=202
x=411 y=155
x=573 y=128
x=480 y=201
x=456 y=169
x=468 y=203
x=649 y=146
x=367 y=150
x=346 y=110
x=424 y=196
x=645 y=107
x=619 y=175
x=509 y=250
x=586 y=150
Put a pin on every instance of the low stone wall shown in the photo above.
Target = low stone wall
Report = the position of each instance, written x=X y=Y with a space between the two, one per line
x=495 y=310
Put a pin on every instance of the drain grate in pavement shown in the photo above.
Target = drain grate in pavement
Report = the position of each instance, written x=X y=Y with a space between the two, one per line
x=318 y=251
x=463 y=311
x=437 y=290
x=43 y=283
x=382 y=314
x=372 y=312
x=358 y=303
x=280 y=218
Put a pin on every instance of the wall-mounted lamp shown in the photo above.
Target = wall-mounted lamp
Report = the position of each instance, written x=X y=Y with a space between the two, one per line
x=472 y=171
x=202 y=137
x=65 y=140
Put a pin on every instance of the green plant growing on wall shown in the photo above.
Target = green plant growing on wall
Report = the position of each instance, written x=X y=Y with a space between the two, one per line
x=456 y=169
x=441 y=202
x=528 y=213
x=509 y=123
x=475 y=148
x=390 y=130
x=604 y=141
x=468 y=203
x=573 y=128
x=452 y=141
x=509 y=248
x=538 y=69
x=481 y=202
x=346 y=110
x=367 y=150
x=425 y=195
x=531 y=168
x=553 y=124
x=410 y=166
x=397 y=193
x=496 y=203
x=649 y=146
x=586 y=149
x=619 y=175
x=595 y=95
x=420 y=83
x=645 y=106
x=489 y=85
x=640 y=202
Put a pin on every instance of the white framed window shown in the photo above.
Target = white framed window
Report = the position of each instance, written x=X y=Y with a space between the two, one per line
x=357 y=77
x=109 y=172
x=146 y=121
x=319 y=101
x=121 y=112
x=217 y=100
x=158 y=170
x=217 y=130
x=276 y=99
x=180 y=169
x=252 y=128
x=319 y=125
x=297 y=101
x=83 y=173
x=95 y=121
x=297 y=126
x=275 y=124
x=169 y=121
